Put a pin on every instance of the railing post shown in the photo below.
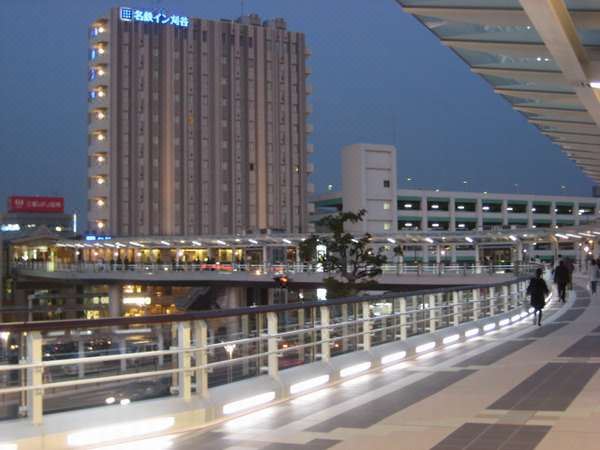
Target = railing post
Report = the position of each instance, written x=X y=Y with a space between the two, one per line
x=325 y=334
x=492 y=294
x=514 y=297
x=201 y=342
x=272 y=348
x=505 y=297
x=456 y=297
x=476 y=304
x=184 y=343
x=35 y=397
x=403 y=319
x=432 y=313
x=366 y=326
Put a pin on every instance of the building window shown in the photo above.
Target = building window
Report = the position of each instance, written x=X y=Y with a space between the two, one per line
x=386 y=205
x=386 y=226
x=386 y=183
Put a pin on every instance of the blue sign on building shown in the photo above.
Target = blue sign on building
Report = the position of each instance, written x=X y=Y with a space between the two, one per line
x=138 y=15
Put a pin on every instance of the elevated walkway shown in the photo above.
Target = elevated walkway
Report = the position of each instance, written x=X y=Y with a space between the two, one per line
x=511 y=386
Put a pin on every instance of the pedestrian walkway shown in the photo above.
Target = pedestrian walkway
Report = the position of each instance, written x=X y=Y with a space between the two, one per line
x=525 y=387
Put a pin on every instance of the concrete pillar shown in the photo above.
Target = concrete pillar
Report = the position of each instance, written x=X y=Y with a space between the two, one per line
x=325 y=335
x=477 y=259
x=123 y=351
x=184 y=342
x=403 y=319
x=456 y=308
x=35 y=399
x=453 y=254
x=160 y=341
x=505 y=297
x=366 y=326
x=273 y=358
x=301 y=319
x=201 y=342
x=245 y=323
x=115 y=306
x=80 y=354
x=432 y=313
x=344 y=311
x=492 y=294
x=476 y=304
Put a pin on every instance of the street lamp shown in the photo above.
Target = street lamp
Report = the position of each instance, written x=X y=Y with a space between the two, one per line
x=230 y=348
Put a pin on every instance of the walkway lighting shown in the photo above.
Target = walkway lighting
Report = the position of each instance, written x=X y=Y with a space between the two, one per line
x=123 y=430
x=489 y=327
x=472 y=332
x=197 y=244
x=287 y=241
x=249 y=402
x=353 y=370
x=221 y=243
x=168 y=244
x=425 y=347
x=393 y=357
x=252 y=241
x=595 y=84
x=309 y=384
x=512 y=238
x=391 y=241
x=450 y=339
x=468 y=239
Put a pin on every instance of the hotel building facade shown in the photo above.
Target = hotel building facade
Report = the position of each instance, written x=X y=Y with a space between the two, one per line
x=197 y=126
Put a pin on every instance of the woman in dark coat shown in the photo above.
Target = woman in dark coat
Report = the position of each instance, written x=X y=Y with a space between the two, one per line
x=538 y=290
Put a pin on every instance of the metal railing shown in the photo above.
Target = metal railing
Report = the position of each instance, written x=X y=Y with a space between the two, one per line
x=269 y=268
x=55 y=366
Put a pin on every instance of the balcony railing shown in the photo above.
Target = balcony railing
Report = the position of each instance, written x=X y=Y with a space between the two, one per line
x=55 y=366
x=269 y=268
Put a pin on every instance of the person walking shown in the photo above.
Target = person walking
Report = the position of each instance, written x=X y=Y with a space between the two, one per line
x=538 y=290
x=594 y=275
x=561 y=279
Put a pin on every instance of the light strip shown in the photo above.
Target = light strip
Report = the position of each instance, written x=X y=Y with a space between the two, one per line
x=8 y=446
x=309 y=384
x=393 y=357
x=504 y=322
x=472 y=332
x=515 y=317
x=524 y=314
x=468 y=239
x=489 y=327
x=425 y=347
x=94 y=436
x=512 y=238
x=249 y=402
x=451 y=339
x=196 y=243
x=357 y=368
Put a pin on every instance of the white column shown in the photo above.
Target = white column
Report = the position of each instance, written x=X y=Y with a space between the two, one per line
x=403 y=319
x=492 y=294
x=35 y=399
x=123 y=351
x=432 y=313
x=476 y=304
x=366 y=328
x=115 y=294
x=184 y=342
x=505 y=297
x=201 y=342
x=80 y=354
x=272 y=348
x=456 y=308
x=325 y=345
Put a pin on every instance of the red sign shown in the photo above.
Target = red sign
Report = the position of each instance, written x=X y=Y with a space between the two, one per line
x=17 y=204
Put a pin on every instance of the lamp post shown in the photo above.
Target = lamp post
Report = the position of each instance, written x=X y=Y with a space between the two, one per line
x=229 y=348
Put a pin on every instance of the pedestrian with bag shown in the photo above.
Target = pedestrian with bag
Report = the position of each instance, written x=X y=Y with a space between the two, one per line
x=538 y=290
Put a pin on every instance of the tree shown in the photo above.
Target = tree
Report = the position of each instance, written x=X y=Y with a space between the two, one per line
x=349 y=261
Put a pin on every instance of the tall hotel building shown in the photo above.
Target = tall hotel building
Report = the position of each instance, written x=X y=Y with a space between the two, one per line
x=197 y=126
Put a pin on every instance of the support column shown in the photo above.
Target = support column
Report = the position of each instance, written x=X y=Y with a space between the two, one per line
x=325 y=345
x=80 y=354
x=403 y=319
x=122 y=351
x=273 y=358
x=160 y=341
x=477 y=260
x=115 y=293
x=184 y=342
x=492 y=294
x=455 y=308
x=201 y=342
x=366 y=326
x=432 y=313
x=35 y=399
x=505 y=297
x=344 y=310
x=476 y=304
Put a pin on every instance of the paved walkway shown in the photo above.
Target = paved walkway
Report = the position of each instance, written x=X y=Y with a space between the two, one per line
x=519 y=389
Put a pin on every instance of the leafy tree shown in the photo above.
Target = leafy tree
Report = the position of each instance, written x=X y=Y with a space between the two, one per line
x=350 y=262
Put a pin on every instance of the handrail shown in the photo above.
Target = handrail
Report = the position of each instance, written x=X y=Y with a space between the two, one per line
x=222 y=313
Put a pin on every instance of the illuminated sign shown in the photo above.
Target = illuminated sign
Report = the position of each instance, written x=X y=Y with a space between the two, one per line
x=138 y=15
x=10 y=227
x=36 y=204
x=93 y=237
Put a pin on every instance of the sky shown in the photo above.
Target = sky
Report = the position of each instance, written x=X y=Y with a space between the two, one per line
x=377 y=74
